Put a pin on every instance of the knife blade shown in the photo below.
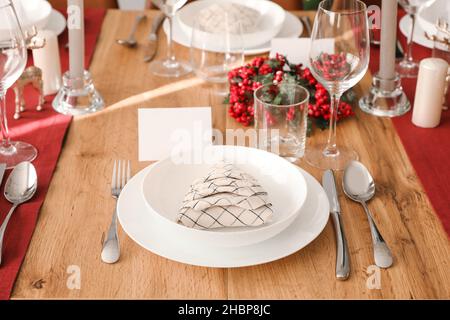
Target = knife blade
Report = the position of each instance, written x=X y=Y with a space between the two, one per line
x=2 y=171
x=151 y=46
x=342 y=256
x=307 y=23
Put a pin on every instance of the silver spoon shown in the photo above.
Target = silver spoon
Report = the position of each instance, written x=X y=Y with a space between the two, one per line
x=131 y=40
x=20 y=187
x=359 y=186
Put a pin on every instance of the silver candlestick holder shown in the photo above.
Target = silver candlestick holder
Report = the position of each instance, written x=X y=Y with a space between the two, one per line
x=78 y=96
x=385 y=98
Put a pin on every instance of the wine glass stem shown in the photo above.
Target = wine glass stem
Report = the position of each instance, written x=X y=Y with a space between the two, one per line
x=170 y=53
x=331 y=148
x=409 y=53
x=6 y=143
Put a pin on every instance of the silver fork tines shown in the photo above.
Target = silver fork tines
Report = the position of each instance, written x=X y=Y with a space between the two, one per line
x=120 y=177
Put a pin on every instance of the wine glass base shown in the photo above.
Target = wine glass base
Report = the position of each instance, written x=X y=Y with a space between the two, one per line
x=171 y=69
x=16 y=153
x=318 y=159
x=408 y=69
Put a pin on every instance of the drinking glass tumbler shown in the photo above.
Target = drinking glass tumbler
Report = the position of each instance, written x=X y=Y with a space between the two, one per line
x=214 y=55
x=281 y=114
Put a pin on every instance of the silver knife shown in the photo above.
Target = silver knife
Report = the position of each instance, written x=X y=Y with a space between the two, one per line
x=307 y=23
x=152 y=43
x=2 y=171
x=342 y=256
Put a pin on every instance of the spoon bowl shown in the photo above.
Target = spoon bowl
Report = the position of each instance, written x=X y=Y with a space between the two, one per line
x=21 y=184
x=127 y=42
x=359 y=186
x=131 y=41
x=20 y=187
x=358 y=183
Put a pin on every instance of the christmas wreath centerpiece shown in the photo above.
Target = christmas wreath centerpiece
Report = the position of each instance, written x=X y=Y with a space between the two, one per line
x=264 y=71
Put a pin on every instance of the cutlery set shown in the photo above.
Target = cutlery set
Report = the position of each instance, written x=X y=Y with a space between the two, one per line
x=19 y=188
x=359 y=186
x=151 y=45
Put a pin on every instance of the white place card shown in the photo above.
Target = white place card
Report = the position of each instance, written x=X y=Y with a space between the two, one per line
x=163 y=131
x=296 y=50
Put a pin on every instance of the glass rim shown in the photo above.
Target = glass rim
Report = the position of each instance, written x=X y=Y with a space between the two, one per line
x=305 y=100
x=327 y=11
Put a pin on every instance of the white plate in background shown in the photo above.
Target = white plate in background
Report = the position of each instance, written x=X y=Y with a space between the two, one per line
x=419 y=33
x=292 y=28
x=271 y=20
x=429 y=15
x=30 y=13
x=57 y=22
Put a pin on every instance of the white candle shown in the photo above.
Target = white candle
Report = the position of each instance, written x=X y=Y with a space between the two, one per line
x=388 y=39
x=75 y=24
x=430 y=90
x=47 y=59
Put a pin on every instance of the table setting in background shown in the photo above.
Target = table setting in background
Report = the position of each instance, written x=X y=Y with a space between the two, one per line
x=225 y=150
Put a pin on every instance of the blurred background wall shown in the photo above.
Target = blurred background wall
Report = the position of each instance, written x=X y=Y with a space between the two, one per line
x=287 y=4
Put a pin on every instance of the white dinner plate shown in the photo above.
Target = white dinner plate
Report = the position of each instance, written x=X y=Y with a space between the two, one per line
x=269 y=24
x=168 y=181
x=143 y=227
x=57 y=22
x=419 y=33
x=292 y=28
x=428 y=15
x=30 y=13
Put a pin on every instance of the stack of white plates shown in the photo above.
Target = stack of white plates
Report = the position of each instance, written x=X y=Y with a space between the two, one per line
x=38 y=13
x=274 y=22
x=149 y=204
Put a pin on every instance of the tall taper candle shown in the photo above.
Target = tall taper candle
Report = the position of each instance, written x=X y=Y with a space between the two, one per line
x=75 y=24
x=388 y=39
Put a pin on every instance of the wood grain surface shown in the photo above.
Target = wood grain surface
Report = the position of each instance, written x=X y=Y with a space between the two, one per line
x=78 y=207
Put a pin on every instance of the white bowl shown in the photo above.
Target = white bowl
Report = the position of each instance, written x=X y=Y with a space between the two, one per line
x=30 y=13
x=269 y=25
x=166 y=184
x=429 y=15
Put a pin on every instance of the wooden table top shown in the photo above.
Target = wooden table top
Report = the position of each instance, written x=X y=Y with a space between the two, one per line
x=78 y=207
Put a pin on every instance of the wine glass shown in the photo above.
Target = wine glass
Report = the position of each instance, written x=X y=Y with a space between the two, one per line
x=13 y=58
x=339 y=58
x=170 y=67
x=214 y=55
x=408 y=67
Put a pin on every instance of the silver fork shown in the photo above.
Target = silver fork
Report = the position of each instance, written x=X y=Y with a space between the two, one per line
x=121 y=175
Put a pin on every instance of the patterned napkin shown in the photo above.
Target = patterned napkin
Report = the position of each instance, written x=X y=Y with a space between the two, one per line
x=226 y=197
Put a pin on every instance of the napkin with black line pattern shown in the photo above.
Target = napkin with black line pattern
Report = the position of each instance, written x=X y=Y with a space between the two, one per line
x=226 y=197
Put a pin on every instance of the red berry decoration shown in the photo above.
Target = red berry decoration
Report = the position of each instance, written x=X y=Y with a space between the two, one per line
x=263 y=71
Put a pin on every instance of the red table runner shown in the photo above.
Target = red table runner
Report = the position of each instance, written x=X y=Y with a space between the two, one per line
x=46 y=131
x=428 y=149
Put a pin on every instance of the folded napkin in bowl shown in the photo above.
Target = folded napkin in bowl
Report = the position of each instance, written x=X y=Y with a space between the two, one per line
x=226 y=197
